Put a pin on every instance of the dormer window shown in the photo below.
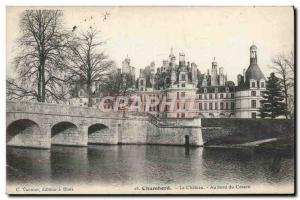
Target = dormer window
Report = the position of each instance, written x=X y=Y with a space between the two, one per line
x=262 y=84
x=227 y=89
x=253 y=84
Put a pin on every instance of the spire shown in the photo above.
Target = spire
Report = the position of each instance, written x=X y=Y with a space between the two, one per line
x=171 y=53
x=214 y=63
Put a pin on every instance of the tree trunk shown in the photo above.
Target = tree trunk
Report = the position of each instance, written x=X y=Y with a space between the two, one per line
x=39 y=84
x=43 y=84
x=89 y=93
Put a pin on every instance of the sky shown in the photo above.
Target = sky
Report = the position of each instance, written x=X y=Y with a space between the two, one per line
x=147 y=34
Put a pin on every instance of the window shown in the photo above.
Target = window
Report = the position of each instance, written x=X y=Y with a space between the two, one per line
x=80 y=93
x=221 y=96
x=261 y=93
x=182 y=94
x=182 y=115
x=221 y=105
x=182 y=85
x=232 y=105
x=253 y=115
x=210 y=106
x=262 y=84
x=142 y=82
x=178 y=105
x=253 y=93
x=177 y=115
x=227 y=106
x=232 y=95
x=205 y=106
x=183 y=77
x=210 y=96
x=253 y=103
x=205 y=97
x=216 y=106
x=200 y=96
x=216 y=96
x=205 y=90
x=177 y=95
x=216 y=90
x=253 y=84
x=227 y=96
x=227 y=89
x=200 y=106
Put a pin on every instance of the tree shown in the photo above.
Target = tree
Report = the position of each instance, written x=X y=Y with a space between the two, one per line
x=273 y=104
x=39 y=63
x=86 y=61
x=284 y=68
x=118 y=84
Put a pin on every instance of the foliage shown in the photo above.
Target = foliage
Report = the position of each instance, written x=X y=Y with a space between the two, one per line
x=273 y=104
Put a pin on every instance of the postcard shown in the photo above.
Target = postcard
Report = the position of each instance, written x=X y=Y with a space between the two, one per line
x=150 y=100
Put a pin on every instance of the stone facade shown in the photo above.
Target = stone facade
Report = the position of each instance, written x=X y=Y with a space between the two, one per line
x=196 y=94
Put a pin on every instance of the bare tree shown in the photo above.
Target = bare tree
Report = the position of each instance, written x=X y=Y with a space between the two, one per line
x=284 y=68
x=87 y=62
x=118 y=83
x=39 y=62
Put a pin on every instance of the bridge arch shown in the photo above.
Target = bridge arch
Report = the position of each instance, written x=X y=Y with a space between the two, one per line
x=25 y=133
x=96 y=127
x=99 y=133
x=65 y=133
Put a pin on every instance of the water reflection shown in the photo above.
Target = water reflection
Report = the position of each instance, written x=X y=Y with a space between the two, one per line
x=133 y=164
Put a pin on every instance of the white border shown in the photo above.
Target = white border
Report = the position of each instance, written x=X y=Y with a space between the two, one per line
x=4 y=3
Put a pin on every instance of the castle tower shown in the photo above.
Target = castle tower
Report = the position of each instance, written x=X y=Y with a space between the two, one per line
x=222 y=76
x=126 y=65
x=214 y=73
x=172 y=57
x=253 y=54
x=204 y=81
x=253 y=71
x=173 y=76
x=182 y=60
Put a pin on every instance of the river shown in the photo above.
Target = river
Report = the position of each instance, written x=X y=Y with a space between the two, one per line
x=117 y=165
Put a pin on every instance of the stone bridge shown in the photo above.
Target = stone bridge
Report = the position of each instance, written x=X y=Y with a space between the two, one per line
x=40 y=125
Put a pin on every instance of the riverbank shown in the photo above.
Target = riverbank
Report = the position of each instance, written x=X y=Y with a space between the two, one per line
x=279 y=146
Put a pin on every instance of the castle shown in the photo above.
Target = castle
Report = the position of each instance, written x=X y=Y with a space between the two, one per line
x=209 y=94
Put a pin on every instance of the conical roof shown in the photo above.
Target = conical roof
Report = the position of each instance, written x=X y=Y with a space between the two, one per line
x=254 y=72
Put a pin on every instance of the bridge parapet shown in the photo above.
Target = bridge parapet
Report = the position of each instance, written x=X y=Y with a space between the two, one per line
x=58 y=109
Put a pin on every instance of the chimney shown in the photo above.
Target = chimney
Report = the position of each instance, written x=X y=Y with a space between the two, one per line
x=244 y=74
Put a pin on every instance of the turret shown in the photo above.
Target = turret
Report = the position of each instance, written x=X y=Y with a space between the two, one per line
x=181 y=60
x=253 y=54
x=214 y=73
x=172 y=57
x=204 y=81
